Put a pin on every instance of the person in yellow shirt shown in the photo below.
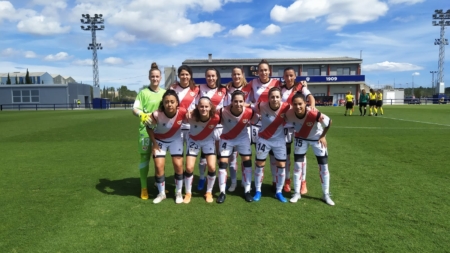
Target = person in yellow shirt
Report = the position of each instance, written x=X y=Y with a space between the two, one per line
x=349 y=103
x=372 y=101
x=379 y=103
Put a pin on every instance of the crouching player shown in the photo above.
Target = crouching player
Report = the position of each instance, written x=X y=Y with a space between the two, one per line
x=203 y=121
x=235 y=119
x=271 y=137
x=310 y=130
x=167 y=136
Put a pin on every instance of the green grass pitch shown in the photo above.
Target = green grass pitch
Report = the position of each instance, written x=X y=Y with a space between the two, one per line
x=69 y=183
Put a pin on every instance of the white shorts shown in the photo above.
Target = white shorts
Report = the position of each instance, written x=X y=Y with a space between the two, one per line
x=254 y=130
x=264 y=146
x=208 y=147
x=174 y=147
x=241 y=145
x=217 y=133
x=288 y=134
x=301 y=146
x=185 y=135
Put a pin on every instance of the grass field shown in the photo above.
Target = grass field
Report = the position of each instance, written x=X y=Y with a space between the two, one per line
x=69 y=183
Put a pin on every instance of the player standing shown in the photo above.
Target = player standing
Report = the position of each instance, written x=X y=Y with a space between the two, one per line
x=167 y=137
x=235 y=119
x=146 y=102
x=271 y=137
x=349 y=103
x=372 y=101
x=363 y=99
x=203 y=121
x=310 y=130
x=379 y=103
x=288 y=90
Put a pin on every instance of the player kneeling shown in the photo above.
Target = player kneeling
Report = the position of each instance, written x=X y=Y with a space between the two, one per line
x=310 y=130
x=167 y=136
x=235 y=119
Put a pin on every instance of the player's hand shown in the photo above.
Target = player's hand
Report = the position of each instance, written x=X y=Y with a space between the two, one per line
x=144 y=117
x=156 y=147
x=323 y=142
x=189 y=114
x=312 y=108
x=149 y=122
x=304 y=84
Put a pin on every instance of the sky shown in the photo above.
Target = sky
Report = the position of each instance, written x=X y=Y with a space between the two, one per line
x=394 y=37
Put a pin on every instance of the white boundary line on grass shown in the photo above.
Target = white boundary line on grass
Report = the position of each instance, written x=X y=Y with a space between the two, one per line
x=415 y=121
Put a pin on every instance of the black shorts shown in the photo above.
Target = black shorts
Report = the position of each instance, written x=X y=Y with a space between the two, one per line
x=362 y=104
x=372 y=102
x=349 y=105
x=379 y=103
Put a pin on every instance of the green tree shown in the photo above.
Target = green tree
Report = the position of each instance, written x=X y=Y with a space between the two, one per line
x=104 y=92
x=27 y=78
x=8 y=81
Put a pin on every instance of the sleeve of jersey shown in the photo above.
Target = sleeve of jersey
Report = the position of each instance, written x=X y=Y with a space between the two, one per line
x=306 y=92
x=255 y=117
x=323 y=119
x=137 y=102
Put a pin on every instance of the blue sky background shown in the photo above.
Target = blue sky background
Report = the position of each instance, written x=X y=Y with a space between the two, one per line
x=396 y=36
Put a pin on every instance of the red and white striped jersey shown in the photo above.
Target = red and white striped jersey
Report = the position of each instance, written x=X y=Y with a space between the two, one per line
x=203 y=130
x=186 y=96
x=310 y=127
x=287 y=94
x=247 y=90
x=168 y=129
x=272 y=122
x=235 y=127
x=217 y=95
x=260 y=91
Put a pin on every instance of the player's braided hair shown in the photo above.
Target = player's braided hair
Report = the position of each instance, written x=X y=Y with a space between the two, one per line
x=196 y=112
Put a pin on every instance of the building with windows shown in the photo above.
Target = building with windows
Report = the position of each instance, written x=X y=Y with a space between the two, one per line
x=19 y=78
x=331 y=77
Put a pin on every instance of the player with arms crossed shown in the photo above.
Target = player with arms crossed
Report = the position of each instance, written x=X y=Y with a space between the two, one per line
x=288 y=90
x=203 y=121
x=146 y=102
x=167 y=137
x=310 y=130
x=235 y=119
x=271 y=137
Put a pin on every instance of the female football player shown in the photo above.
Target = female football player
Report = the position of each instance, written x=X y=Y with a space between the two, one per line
x=146 y=102
x=310 y=130
x=372 y=101
x=166 y=136
x=379 y=103
x=363 y=99
x=349 y=103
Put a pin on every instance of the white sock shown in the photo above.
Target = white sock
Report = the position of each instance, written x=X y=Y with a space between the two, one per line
x=281 y=176
x=297 y=176
x=210 y=183
x=222 y=179
x=161 y=187
x=325 y=178
x=233 y=167
x=247 y=178
x=304 y=170
x=273 y=168
x=288 y=167
x=259 y=176
x=178 y=182
x=188 y=183
x=202 y=168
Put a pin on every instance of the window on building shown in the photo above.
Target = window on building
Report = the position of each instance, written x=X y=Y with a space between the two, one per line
x=25 y=96
x=314 y=72
x=343 y=71
x=253 y=70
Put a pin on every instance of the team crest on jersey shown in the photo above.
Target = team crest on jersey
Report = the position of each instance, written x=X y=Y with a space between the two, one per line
x=192 y=93
x=220 y=93
x=179 y=122
x=245 y=121
x=310 y=124
x=211 y=126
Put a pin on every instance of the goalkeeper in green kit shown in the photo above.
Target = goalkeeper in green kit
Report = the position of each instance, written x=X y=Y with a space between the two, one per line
x=146 y=102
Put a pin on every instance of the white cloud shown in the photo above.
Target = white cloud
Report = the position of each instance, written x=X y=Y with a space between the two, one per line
x=59 y=4
x=271 y=29
x=416 y=74
x=114 y=61
x=8 y=12
x=40 y=25
x=57 y=57
x=390 y=66
x=85 y=62
x=30 y=54
x=242 y=31
x=404 y=19
x=124 y=37
x=9 y=52
x=408 y=2
x=338 y=13
x=237 y=1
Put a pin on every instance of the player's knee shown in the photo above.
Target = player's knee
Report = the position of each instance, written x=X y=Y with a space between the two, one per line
x=188 y=174
x=223 y=165
x=322 y=159
x=299 y=158
x=247 y=163
x=211 y=173
x=178 y=176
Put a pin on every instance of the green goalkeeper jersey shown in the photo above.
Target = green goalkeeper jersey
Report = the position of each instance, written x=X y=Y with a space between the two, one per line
x=148 y=101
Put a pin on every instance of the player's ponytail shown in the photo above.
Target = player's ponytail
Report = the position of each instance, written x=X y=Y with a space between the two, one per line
x=154 y=67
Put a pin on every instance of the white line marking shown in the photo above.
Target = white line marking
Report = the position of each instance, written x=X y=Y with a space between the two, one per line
x=415 y=121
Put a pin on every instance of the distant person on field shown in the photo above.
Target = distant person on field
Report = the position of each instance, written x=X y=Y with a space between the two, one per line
x=349 y=99
x=146 y=102
x=78 y=103
x=363 y=99
x=379 y=103
x=372 y=101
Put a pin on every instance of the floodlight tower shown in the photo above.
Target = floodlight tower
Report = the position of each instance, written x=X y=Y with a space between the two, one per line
x=443 y=21
x=91 y=23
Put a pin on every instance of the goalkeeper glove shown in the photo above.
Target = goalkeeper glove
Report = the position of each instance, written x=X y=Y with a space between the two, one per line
x=144 y=117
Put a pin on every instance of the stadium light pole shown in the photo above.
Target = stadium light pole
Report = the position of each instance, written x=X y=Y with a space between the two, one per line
x=432 y=78
x=92 y=25
x=412 y=84
x=441 y=19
